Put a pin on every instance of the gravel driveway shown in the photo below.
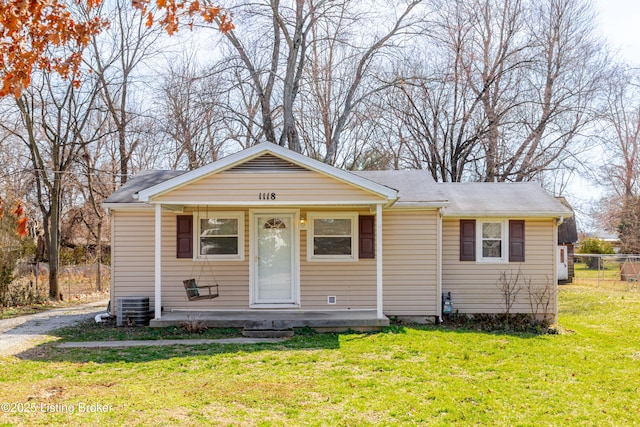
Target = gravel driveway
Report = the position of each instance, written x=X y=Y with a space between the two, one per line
x=22 y=333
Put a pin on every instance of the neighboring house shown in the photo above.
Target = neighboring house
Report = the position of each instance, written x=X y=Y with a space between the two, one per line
x=290 y=239
x=567 y=239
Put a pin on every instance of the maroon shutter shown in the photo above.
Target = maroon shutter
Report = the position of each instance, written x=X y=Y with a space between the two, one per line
x=184 y=234
x=366 y=236
x=467 y=240
x=516 y=241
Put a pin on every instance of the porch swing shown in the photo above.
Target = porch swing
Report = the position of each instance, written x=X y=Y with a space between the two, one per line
x=196 y=291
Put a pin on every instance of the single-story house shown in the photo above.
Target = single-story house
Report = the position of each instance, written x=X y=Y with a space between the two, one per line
x=291 y=241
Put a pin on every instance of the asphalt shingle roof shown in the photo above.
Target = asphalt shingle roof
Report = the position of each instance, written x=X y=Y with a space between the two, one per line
x=145 y=179
x=416 y=186
x=412 y=185
x=500 y=199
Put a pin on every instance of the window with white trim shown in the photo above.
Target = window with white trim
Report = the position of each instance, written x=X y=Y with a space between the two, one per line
x=220 y=235
x=332 y=236
x=492 y=243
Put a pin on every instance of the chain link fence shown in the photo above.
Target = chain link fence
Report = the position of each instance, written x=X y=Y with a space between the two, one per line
x=620 y=270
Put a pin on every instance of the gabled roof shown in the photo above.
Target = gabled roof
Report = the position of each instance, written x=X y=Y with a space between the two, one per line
x=415 y=187
x=405 y=188
x=147 y=194
x=501 y=199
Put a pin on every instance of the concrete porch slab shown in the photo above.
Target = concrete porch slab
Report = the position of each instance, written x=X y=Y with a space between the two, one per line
x=154 y=343
x=322 y=321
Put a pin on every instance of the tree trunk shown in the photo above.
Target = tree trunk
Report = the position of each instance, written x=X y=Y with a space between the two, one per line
x=99 y=256
x=124 y=157
x=54 y=242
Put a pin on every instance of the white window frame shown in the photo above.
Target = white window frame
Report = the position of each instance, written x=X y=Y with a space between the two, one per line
x=237 y=215
x=504 y=239
x=353 y=216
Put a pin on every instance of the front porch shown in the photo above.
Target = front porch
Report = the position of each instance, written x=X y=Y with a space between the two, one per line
x=322 y=321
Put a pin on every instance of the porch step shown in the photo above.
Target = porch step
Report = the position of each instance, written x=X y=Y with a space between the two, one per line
x=267 y=333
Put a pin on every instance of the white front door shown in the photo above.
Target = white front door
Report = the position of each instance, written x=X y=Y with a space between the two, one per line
x=274 y=258
x=563 y=263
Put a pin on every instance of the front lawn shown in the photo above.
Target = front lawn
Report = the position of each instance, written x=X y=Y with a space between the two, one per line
x=589 y=375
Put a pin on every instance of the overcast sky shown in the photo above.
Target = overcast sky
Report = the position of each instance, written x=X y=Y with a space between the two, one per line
x=620 y=22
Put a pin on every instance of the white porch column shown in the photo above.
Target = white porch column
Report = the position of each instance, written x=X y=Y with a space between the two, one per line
x=380 y=314
x=439 y=267
x=158 y=262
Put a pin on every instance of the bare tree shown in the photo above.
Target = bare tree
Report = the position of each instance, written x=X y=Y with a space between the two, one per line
x=509 y=287
x=194 y=119
x=262 y=70
x=362 y=78
x=241 y=116
x=309 y=49
x=620 y=133
x=117 y=54
x=563 y=81
x=506 y=88
x=94 y=185
x=55 y=118
x=16 y=179
x=541 y=299
x=440 y=127
x=450 y=94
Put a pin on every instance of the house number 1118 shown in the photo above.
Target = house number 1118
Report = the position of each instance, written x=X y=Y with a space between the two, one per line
x=266 y=196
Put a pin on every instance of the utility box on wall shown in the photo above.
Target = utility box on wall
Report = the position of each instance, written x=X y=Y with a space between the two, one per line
x=447 y=304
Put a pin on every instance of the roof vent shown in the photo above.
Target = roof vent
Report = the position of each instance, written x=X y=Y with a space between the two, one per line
x=267 y=163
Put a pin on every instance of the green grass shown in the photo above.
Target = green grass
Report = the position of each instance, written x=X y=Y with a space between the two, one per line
x=9 y=312
x=609 y=269
x=590 y=375
x=608 y=276
x=92 y=331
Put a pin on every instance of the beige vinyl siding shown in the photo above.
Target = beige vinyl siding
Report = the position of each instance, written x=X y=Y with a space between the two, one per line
x=352 y=283
x=410 y=242
x=474 y=286
x=134 y=266
x=232 y=276
x=132 y=255
x=294 y=186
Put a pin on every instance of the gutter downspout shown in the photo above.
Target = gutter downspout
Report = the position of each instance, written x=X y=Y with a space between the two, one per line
x=99 y=318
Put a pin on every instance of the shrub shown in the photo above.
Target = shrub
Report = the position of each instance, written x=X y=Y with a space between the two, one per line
x=593 y=245
x=194 y=326
x=501 y=322
x=10 y=248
